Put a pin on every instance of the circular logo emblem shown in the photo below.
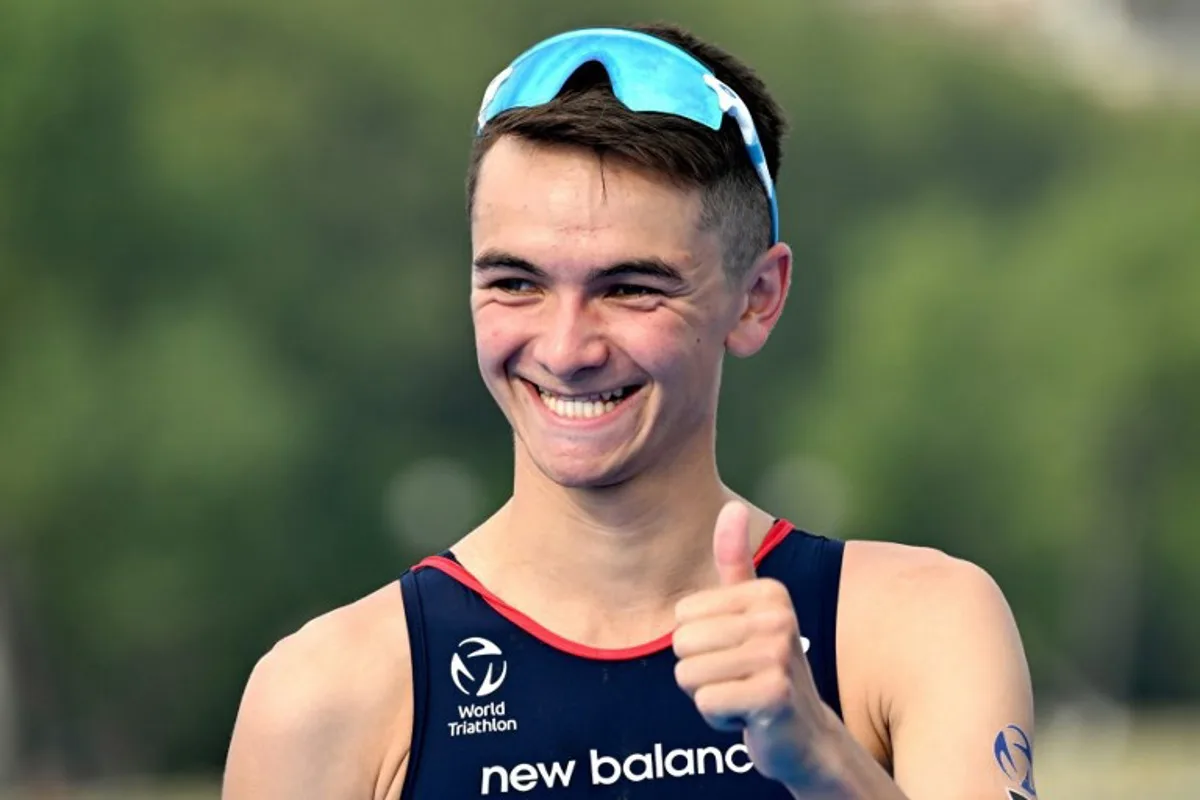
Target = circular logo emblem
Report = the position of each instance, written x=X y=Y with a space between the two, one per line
x=477 y=657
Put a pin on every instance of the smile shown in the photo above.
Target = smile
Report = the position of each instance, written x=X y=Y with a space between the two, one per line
x=584 y=406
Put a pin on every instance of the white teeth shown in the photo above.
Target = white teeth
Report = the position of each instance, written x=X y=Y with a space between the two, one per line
x=586 y=407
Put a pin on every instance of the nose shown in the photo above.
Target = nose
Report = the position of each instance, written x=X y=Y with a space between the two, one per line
x=572 y=341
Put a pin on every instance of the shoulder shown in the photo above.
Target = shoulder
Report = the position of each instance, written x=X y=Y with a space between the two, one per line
x=915 y=622
x=909 y=569
x=335 y=693
x=343 y=659
x=892 y=584
x=919 y=603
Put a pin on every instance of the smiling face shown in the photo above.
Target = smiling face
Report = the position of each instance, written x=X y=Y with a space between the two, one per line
x=602 y=312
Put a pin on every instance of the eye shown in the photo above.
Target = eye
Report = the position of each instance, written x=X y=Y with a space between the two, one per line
x=633 y=290
x=513 y=285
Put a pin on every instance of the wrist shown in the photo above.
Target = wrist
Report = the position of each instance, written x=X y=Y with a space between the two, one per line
x=822 y=742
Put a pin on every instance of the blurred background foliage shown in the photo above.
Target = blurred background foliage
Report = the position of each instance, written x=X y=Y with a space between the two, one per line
x=237 y=385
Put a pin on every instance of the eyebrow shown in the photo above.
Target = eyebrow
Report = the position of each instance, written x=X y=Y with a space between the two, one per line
x=643 y=267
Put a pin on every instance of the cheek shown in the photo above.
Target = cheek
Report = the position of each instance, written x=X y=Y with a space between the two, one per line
x=671 y=347
x=496 y=336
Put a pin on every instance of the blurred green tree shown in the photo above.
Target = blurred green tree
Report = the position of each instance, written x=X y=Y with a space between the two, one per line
x=233 y=309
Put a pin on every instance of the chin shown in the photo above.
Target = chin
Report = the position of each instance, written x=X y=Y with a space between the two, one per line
x=582 y=475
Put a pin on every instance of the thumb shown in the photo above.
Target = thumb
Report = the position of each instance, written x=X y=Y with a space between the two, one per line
x=731 y=544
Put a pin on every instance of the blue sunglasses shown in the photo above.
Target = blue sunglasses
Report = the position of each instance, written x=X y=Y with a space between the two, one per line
x=647 y=74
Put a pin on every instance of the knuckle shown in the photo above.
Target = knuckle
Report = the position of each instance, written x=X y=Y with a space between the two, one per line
x=711 y=701
x=772 y=590
x=684 y=674
x=705 y=701
x=682 y=641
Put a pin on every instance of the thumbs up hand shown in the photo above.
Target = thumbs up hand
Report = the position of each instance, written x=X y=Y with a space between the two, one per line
x=741 y=659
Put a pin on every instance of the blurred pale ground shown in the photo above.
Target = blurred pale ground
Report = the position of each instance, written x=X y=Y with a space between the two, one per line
x=237 y=388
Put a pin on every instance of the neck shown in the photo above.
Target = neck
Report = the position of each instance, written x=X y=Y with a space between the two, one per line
x=607 y=564
x=647 y=537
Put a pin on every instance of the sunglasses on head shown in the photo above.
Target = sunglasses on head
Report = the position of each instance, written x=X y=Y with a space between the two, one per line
x=646 y=73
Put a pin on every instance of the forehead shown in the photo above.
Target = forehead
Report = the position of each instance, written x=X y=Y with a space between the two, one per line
x=564 y=206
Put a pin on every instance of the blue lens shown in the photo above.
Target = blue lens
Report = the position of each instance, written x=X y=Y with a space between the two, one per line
x=647 y=74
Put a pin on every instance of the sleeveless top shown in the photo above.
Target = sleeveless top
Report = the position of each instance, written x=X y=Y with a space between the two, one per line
x=505 y=707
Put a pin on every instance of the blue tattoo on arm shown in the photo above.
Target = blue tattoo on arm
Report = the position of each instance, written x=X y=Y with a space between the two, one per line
x=1014 y=755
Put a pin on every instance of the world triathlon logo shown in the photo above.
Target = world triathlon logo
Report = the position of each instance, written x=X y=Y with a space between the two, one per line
x=476 y=656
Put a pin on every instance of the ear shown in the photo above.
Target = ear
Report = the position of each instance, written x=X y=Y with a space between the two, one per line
x=763 y=292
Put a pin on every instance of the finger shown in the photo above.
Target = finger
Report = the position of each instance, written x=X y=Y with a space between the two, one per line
x=735 y=663
x=731 y=704
x=762 y=593
x=723 y=630
x=731 y=544
x=710 y=633
x=709 y=669
x=778 y=650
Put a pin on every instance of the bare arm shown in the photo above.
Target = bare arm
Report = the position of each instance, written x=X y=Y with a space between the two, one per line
x=327 y=713
x=962 y=715
x=291 y=739
x=934 y=661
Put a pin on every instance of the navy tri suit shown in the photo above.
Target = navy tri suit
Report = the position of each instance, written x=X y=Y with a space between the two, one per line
x=505 y=708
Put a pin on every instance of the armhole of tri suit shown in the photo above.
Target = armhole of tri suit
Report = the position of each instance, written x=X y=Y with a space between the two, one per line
x=832 y=552
x=414 y=614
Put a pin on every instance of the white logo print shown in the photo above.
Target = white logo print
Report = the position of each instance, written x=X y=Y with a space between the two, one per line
x=484 y=649
x=486 y=659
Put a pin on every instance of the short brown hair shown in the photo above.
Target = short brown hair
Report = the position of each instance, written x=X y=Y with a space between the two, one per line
x=587 y=114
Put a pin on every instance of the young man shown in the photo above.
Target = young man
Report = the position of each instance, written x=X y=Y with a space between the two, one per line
x=625 y=625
